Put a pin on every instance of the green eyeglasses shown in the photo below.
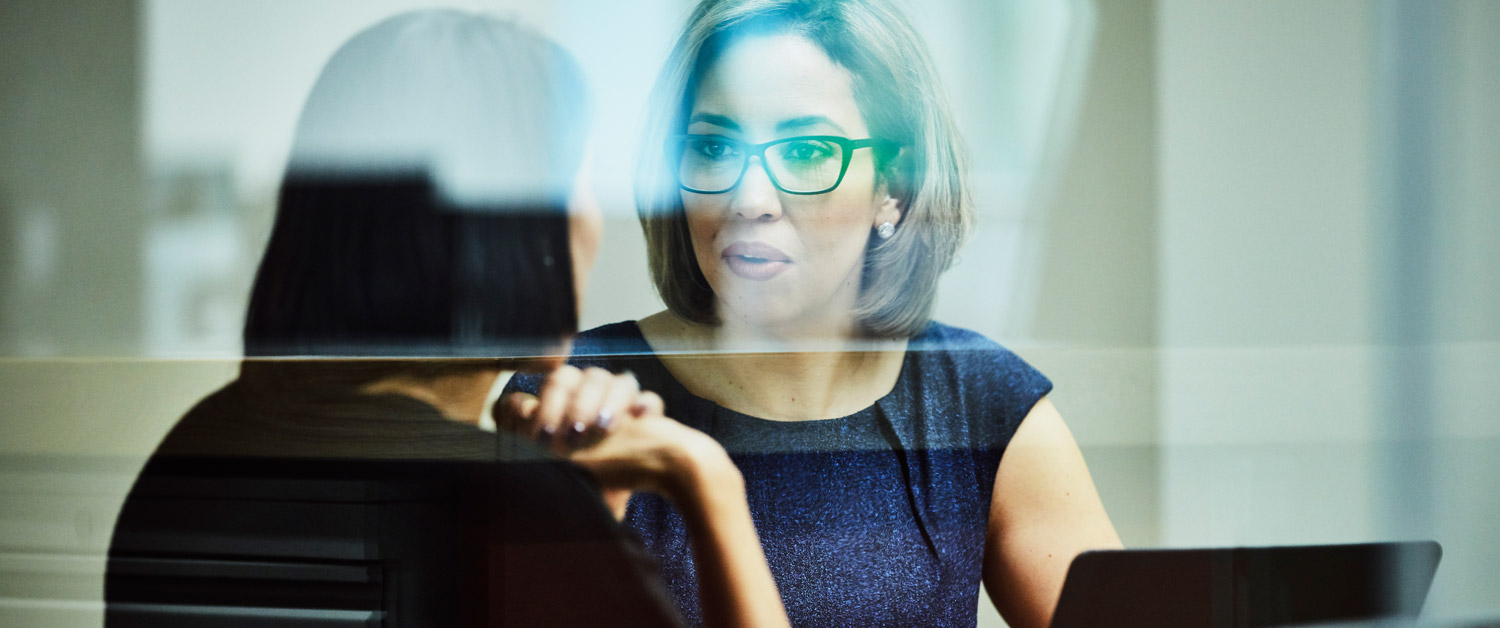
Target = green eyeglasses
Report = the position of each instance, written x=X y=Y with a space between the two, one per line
x=807 y=164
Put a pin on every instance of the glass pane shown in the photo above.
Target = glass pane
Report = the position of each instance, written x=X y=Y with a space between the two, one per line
x=1251 y=245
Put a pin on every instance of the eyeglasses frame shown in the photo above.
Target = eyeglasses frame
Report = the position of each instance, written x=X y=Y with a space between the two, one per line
x=676 y=142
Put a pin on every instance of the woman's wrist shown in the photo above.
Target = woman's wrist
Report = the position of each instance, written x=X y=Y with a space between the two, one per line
x=699 y=472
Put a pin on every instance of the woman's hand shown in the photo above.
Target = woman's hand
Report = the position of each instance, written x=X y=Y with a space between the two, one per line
x=604 y=423
x=572 y=407
x=647 y=451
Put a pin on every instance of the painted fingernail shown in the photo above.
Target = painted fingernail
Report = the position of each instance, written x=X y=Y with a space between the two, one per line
x=605 y=418
x=576 y=433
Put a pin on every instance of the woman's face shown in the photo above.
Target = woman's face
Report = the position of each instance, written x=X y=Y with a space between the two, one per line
x=773 y=259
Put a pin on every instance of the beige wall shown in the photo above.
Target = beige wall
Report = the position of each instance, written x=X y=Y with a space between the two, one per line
x=71 y=194
x=1265 y=266
x=1322 y=334
x=1463 y=490
x=1094 y=327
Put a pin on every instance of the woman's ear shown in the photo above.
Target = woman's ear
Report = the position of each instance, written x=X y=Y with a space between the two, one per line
x=889 y=210
x=892 y=189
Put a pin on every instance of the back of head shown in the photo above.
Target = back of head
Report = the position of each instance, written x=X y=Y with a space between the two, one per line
x=424 y=208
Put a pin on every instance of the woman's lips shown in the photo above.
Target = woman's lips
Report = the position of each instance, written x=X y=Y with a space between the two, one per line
x=756 y=261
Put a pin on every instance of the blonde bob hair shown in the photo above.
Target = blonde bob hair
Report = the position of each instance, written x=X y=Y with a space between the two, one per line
x=897 y=90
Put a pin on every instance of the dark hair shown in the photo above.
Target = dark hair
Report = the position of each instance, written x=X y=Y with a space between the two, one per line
x=385 y=243
x=380 y=268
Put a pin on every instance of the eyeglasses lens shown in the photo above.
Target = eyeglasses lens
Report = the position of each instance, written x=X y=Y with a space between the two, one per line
x=710 y=165
x=804 y=165
x=797 y=165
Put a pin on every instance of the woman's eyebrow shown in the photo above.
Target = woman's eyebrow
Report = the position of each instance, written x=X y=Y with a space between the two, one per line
x=714 y=119
x=803 y=122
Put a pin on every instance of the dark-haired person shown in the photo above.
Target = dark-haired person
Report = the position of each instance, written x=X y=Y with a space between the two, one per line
x=435 y=214
x=803 y=188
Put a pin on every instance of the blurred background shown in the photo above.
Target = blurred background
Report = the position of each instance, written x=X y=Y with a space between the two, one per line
x=1256 y=244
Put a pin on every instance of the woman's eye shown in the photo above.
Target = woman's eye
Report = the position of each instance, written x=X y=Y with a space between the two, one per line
x=713 y=149
x=806 y=151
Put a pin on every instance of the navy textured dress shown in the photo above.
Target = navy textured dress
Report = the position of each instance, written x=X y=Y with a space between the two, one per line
x=876 y=518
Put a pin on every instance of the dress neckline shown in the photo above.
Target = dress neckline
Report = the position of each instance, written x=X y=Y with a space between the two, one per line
x=713 y=408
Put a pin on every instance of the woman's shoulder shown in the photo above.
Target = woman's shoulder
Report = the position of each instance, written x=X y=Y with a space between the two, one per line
x=974 y=358
x=938 y=335
x=940 y=338
x=212 y=426
x=622 y=338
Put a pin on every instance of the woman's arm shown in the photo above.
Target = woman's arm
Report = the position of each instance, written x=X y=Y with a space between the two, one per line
x=735 y=586
x=1045 y=511
x=641 y=449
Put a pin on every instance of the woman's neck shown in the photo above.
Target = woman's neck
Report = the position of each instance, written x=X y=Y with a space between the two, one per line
x=462 y=397
x=776 y=375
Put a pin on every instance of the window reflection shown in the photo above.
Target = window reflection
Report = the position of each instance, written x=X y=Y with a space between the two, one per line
x=1252 y=243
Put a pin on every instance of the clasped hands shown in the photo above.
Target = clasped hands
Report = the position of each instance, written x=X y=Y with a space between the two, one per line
x=606 y=424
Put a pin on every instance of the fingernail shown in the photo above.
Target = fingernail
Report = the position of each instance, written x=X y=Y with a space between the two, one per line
x=605 y=418
x=547 y=434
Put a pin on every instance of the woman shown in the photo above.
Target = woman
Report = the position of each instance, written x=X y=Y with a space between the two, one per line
x=802 y=190
x=435 y=211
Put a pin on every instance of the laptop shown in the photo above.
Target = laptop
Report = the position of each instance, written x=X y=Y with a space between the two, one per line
x=1246 y=587
x=1410 y=623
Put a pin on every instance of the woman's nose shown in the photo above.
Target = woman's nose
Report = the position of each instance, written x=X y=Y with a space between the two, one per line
x=755 y=198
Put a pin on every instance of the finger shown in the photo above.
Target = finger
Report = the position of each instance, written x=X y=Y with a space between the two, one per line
x=513 y=412
x=616 y=404
x=584 y=409
x=647 y=403
x=555 y=396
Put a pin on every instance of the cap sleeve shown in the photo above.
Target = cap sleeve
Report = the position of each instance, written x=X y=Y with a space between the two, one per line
x=995 y=389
